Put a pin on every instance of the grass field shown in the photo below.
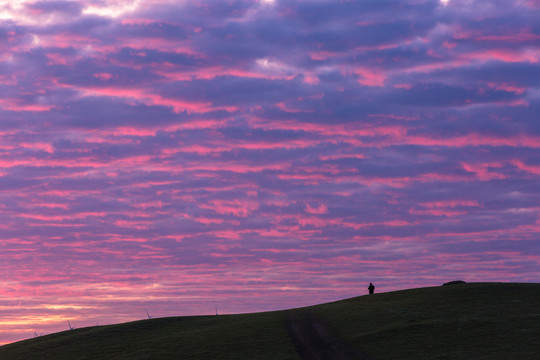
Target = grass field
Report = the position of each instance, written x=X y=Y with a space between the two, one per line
x=467 y=321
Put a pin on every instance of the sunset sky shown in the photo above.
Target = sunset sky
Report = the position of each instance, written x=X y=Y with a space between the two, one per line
x=174 y=156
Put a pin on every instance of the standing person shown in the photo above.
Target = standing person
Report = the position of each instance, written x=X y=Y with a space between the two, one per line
x=371 y=288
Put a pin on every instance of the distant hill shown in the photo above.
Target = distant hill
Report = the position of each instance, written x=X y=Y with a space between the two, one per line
x=460 y=321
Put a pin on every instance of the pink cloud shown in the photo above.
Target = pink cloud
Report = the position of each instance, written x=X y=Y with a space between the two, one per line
x=321 y=209
x=532 y=169
x=512 y=38
x=526 y=55
x=370 y=76
x=16 y=105
x=103 y=76
x=238 y=208
x=153 y=99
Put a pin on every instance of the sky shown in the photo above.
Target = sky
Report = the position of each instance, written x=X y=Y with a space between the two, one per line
x=179 y=157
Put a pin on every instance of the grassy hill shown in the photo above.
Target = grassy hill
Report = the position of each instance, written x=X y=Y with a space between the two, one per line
x=466 y=321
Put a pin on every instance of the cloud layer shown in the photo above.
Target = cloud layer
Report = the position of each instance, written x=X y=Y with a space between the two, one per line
x=172 y=156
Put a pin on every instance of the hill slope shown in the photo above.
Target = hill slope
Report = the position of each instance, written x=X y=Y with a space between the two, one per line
x=467 y=321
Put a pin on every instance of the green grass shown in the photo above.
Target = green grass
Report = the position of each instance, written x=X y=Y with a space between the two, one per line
x=251 y=336
x=467 y=321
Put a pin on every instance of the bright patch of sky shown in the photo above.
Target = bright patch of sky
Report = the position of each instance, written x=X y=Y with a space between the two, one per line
x=113 y=9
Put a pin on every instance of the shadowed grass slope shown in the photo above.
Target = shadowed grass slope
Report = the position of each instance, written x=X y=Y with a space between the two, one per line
x=466 y=321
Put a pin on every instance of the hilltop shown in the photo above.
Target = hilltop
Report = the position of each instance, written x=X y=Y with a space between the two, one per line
x=461 y=321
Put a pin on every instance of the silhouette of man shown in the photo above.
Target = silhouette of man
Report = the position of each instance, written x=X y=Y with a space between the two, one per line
x=371 y=288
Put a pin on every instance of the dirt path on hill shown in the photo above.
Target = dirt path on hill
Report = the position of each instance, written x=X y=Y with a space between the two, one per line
x=313 y=341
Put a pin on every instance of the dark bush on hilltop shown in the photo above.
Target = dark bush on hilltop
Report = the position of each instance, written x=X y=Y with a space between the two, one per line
x=454 y=282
